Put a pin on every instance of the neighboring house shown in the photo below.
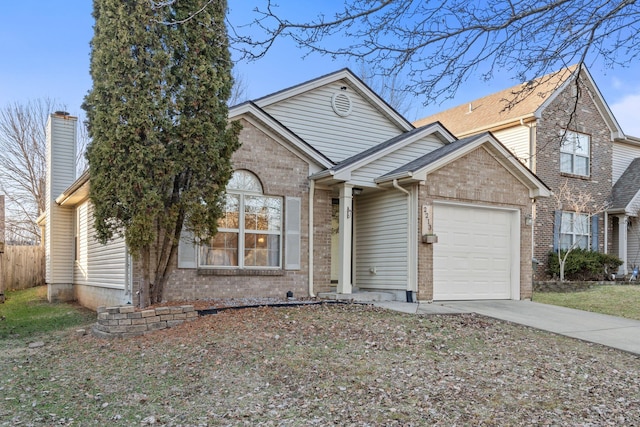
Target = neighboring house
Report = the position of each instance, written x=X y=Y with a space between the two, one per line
x=625 y=202
x=333 y=190
x=563 y=130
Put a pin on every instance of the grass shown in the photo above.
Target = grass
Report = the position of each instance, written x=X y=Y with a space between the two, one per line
x=28 y=314
x=616 y=300
x=321 y=365
x=316 y=365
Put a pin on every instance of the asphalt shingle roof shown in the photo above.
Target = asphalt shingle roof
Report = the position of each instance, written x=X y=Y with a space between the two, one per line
x=627 y=186
x=431 y=157
x=507 y=105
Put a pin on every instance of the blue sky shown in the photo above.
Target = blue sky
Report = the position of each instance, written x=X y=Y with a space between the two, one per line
x=44 y=47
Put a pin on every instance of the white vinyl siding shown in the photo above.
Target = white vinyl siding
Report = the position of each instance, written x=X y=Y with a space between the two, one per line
x=623 y=154
x=311 y=117
x=381 y=241
x=518 y=141
x=97 y=264
x=61 y=155
x=366 y=175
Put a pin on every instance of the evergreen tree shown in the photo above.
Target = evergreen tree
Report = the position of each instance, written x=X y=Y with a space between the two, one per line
x=157 y=115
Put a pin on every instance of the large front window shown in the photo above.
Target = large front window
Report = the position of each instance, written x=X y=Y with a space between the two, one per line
x=249 y=232
x=575 y=154
x=574 y=231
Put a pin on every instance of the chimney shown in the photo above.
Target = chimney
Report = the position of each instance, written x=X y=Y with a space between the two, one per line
x=59 y=227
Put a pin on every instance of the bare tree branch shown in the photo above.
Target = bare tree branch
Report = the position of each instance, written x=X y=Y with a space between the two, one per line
x=583 y=206
x=23 y=164
x=439 y=45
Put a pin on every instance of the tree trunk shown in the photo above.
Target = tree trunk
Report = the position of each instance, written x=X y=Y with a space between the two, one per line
x=145 y=286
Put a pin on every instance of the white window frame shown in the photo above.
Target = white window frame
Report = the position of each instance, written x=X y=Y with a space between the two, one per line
x=571 y=230
x=249 y=187
x=574 y=147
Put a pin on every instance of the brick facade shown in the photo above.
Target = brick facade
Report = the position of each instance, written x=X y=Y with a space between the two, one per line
x=281 y=173
x=584 y=117
x=476 y=178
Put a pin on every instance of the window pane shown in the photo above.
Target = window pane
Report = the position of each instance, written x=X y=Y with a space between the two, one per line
x=582 y=144
x=566 y=163
x=567 y=145
x=261 y=250
x=581 y=224
x=565 y=241
x=245 y=181
x=581 y=165
x=222 y=250
x=262 y=213
x=582 y=242
x=231 y=217
x=567 y=223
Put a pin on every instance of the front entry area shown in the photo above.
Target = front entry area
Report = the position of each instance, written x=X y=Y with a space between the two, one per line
x=477 y=254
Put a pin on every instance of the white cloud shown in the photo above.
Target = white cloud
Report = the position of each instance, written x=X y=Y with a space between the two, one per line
x=627 y=112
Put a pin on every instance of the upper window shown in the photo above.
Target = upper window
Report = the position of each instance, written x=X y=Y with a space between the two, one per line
x=574 y=231
x=575 y=153
x=250 y=230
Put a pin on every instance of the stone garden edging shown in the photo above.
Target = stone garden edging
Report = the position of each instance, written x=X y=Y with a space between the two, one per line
x=124 y=321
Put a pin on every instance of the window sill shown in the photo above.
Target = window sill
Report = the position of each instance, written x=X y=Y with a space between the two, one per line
x=571 y=175
x=239 y=272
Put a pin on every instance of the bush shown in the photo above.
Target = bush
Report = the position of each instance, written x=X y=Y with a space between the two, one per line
x=582 y=264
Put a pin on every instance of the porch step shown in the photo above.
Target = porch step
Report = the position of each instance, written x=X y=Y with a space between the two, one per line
x=360 y=296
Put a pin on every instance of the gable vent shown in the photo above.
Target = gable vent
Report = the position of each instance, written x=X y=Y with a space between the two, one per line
x=341 y=104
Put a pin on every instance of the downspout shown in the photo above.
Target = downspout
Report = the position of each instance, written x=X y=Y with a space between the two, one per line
x=408 y=193
x=312 y=190
x=606 y=232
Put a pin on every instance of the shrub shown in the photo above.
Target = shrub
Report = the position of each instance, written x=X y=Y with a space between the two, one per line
x=583 y=264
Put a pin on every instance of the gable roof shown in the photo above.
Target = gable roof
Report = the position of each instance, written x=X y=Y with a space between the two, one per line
x=518 y=104
x=250 y=108
x=345 y=167
x=356 y=83
x=626 y=190
x=418 y=169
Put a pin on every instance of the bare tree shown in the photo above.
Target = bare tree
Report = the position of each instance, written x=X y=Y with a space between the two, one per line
x=82 y=143
x=23 y=166
x=390 y=88
x=577 y=208
x=23 y=161
x=239 y=89
x=439 y=45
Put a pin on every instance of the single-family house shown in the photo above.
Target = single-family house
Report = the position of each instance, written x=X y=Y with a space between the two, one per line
x=333 y=191
x=625 y=202
x=561 y=127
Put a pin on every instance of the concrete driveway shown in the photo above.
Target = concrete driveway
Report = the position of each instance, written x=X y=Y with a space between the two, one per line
x=611 y=331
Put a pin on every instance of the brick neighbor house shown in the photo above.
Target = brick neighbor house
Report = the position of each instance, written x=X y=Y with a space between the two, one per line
x=561 y=127
x=333 y=192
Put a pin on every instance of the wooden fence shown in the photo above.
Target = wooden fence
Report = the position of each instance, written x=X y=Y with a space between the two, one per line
x=21 y=267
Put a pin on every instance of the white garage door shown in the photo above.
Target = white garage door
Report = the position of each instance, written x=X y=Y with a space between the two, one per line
x=472 y=259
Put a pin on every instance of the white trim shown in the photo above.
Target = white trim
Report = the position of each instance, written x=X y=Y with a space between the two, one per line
x=345 y=283
x=506 y=159
x=412 y=240
x=279 y=133
x=432 y=129
x=352 y=81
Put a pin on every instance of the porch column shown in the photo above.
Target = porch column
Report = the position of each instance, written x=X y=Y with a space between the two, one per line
x=344 y=238
x=622 y=242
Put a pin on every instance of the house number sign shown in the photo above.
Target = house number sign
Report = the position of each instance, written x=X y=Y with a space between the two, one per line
x=427 y=219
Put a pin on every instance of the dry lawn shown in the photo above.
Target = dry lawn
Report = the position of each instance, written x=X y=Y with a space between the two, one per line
x=320 y=365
